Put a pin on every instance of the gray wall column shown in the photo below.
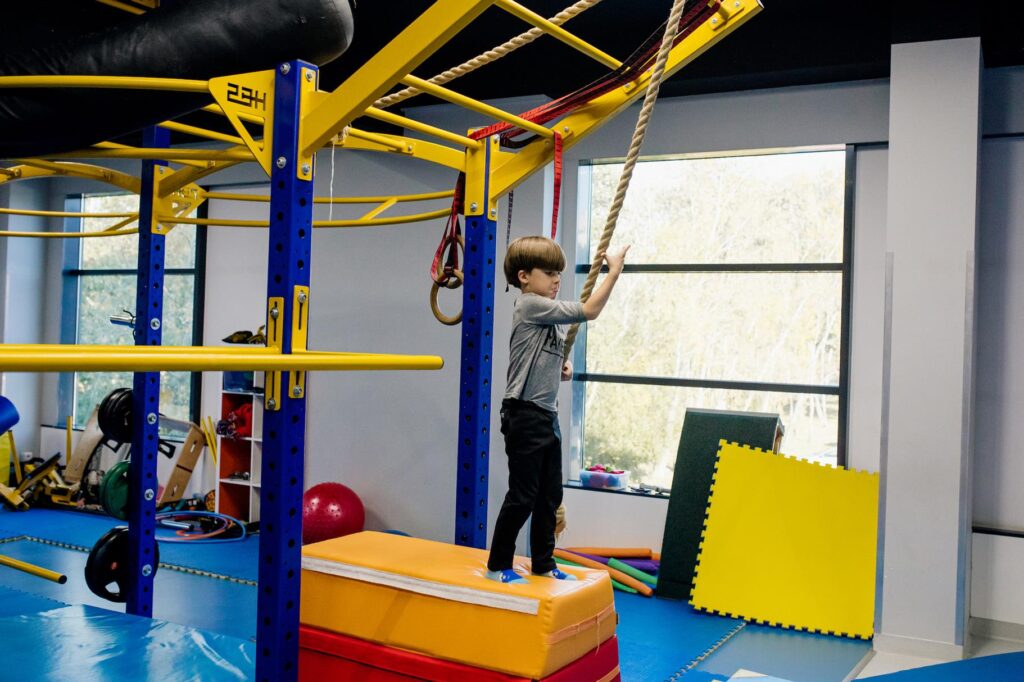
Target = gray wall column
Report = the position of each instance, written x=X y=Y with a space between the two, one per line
x=932 y=213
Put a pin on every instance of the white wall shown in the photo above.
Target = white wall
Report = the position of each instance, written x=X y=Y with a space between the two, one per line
x=21 y=304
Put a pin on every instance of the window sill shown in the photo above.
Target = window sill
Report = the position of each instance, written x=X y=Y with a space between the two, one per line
x=632 y=491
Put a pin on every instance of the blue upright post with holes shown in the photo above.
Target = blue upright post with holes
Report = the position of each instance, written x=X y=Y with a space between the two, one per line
x=142 y=481
x=477 y=341
x=284 y=421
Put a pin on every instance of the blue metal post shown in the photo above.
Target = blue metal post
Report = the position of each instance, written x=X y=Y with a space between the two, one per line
x=142 y=480
x=475 y=381
x=284 y=422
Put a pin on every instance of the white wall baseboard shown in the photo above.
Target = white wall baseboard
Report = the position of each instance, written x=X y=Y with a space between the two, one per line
x=997 y=629
x=922 y=648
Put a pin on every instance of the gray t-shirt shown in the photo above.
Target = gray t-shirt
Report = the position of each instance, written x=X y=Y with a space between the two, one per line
x=535 y=350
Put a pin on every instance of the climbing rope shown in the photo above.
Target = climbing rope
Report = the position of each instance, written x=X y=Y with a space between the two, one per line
x=489 y=56
x=671 y=28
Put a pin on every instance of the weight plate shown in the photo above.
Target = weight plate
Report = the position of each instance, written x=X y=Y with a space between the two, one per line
x=114 y=490
x=106 y=569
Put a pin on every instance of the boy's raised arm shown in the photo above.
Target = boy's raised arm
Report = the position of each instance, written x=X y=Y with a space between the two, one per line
x=595 y=304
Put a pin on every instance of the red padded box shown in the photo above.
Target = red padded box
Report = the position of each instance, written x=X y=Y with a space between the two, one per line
x=327 y=655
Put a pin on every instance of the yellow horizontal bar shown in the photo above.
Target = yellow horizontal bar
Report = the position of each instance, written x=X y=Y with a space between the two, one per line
x=475 y=105
x=116 y=145
x=85 y=349
x=351 y=222
x=43 y=358
x=80 y=170
x=65 y=214
x=201 y=132
x=387 y=116
x=557 y=31
x=157 y=154
x=378 y=139
x=394 y=220
x=122 y=6
x=425 y=196
x=68 y=235
x=32 y=569
x=109 y=82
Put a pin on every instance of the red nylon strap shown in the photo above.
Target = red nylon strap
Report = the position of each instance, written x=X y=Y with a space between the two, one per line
x=450 y=238
x=558 y=184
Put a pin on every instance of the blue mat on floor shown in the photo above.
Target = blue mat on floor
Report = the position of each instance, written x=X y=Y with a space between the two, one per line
x=658 y=637
x=789 y=654
x=234 y=559
x=15 y=602
x=216 y=605
x=85 y=643
x=1004 y=667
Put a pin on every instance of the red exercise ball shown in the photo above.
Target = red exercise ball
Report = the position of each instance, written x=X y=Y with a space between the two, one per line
x=330 y=510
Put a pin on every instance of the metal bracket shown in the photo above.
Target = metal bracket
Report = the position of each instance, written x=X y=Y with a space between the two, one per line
x=726 y=11
x=476 y=202
x=249 y=96
x=178 y=203
x=307 y=86
x=275 y=339
x=300 y=323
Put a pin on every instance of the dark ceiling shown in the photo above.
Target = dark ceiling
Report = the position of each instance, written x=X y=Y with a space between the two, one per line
x=791 y=42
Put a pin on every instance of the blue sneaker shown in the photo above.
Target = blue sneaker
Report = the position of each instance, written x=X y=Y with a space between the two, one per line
x=508 y=577
x=557 y=575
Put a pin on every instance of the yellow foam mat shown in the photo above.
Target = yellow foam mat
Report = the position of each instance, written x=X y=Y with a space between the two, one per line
x=431 y=597
x=790 y=543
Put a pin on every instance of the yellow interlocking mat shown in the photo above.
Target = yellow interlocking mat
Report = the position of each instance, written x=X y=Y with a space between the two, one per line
x=789 y=542
x=431 y=597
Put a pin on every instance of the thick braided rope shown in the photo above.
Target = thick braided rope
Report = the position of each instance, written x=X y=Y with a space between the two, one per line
x=671 y=28
x=489 y=56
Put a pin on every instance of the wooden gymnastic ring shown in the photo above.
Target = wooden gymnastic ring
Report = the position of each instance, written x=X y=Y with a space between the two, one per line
x=441 y=317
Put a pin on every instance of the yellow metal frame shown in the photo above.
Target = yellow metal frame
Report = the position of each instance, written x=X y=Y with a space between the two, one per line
x=325 y=118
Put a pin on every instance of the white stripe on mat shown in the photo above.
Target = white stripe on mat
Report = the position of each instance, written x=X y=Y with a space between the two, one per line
x=467 y=595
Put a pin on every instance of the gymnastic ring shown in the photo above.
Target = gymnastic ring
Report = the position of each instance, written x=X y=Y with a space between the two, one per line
x=441 y=317
x=444 y=279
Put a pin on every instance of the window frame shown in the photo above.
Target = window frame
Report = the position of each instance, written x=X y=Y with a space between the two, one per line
x=71 y=277
x=845 y=267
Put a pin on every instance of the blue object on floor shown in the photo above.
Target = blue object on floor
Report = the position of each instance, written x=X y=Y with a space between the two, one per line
x=84 y=529
x=1003 y=667
x=212 y=604
x=86 y=643
x=658 y=638
x=789 y=654
x=8 y=415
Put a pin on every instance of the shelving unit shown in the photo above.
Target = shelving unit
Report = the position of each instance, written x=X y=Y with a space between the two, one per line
x=237 y=495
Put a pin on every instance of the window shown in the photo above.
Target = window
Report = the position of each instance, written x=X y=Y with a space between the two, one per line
x=100 y=282
x=734 y=297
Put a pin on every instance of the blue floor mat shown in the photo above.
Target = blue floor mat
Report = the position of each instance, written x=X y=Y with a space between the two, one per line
x=85 y=643
x=15 y=602
x=658 y=637
x=234 y=559
x=216 y=605
x=789 y=654
x=1003 y=667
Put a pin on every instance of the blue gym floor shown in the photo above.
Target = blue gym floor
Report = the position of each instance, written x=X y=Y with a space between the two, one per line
x=205 y=623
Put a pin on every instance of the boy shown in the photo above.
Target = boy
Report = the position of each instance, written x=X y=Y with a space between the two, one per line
x=529 y=412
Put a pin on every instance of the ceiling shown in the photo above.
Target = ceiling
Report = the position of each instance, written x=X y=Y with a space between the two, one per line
x=792 y=42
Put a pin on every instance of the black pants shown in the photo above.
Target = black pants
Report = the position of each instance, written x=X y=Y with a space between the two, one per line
x=534 y=448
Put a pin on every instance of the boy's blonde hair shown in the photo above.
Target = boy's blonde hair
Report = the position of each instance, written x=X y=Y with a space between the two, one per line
x=527 y=253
